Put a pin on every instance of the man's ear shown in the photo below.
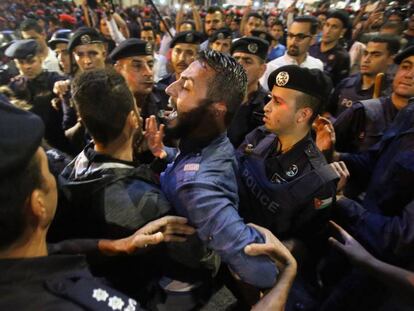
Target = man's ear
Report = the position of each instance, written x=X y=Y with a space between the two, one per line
x=133 y=119
x=37 y=204
x=304 y=114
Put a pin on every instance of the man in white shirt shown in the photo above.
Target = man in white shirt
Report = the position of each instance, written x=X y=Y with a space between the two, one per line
x=160 y=64
x=166 y=38
x=30 y=29
x=299 y=38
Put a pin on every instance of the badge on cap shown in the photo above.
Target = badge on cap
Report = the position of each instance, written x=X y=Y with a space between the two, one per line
x=253 y=47
x=189 y=37
x=292 y=171
x=148 y=48
x=263 y=36
x=85 y=39
x=220 y=36
x=282 y=78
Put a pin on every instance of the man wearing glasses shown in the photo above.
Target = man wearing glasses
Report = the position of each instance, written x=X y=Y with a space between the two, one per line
x=299 y=39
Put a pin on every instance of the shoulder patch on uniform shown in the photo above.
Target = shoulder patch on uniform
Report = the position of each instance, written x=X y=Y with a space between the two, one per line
x=322 y=203
x=191 y=167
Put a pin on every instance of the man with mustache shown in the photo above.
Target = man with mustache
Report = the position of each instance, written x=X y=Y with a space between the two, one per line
x=185 y=46
x=299 y=39
x=134 y=60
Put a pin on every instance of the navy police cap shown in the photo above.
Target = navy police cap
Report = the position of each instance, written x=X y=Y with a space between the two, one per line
x=251 y=45
x=83 y=36
x=220 y=34
x=404 y=54
x=22 y=49
x=24 y=135
x=309 y=81
x=60 y=36
x=190 y=37
x=131 y=47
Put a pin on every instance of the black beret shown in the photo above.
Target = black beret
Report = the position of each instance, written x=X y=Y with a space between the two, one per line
x=84 y=35
x=251 y=45
x=341 y=15
x=60 y=36
x=22 y=49
x=6 y=39
x=263 y=35
x=220 y=34
x=131 y=47
x=22 y=133
x=309 y=81
x=404 y=54
x=191 y=37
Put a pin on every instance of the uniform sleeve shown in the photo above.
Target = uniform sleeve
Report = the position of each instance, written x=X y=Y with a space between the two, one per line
x=390 y=237
x=223 y=230
x=348 y=126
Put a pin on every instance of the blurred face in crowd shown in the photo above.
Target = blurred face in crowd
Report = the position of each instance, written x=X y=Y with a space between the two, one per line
x=403 y=84
x=411 y=23
x=321 y=19
x=148 y=35
x=186 y=27
x=253 y=23
x=299 y=39
x=138 y=73
x=281 y=115
x=30 y=67
x=212 y=22
x=332 y=30
x=234 y=26
x=90 y=56
x=375 y=59
x=221 y=45
x=253 y=65
x=277 y=31
x=183 y=54
x=103 y=28
x=63 y=56
x=39 y=37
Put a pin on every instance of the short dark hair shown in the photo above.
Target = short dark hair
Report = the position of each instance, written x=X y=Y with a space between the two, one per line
x=103 y=101
x=305 y=100
x=214 y=9
x=31 y=24
x=15 y=189
x=229 y=83
x=148 y=28
x=255 y=15
x=277 y=23
x=308 y=19
x=393 y=42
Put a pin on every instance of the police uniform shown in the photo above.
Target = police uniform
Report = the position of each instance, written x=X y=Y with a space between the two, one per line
x=189 y=37
x=286 y=192
x=249 y=115
x=336 y=61
x=38 y=93
x=44 y=282
x=349 y=91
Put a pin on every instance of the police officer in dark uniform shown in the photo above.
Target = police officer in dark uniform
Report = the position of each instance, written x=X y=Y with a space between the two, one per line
x=285 y=183
x=377 y=58
x=220 y=40
x=251 y=53
x=335 y=58
x=134 y=60
x=32 y=280
x=59 y=44
x=361 y=126
x=185 y=46
x=35 y=86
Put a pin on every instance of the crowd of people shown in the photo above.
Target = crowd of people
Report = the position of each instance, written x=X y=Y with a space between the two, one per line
x=155 y=157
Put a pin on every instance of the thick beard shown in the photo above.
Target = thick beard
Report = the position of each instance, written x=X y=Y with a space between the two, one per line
x=199 y=122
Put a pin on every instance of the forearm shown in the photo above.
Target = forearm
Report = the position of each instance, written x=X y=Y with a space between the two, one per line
x=116 y=35
x=197 y=20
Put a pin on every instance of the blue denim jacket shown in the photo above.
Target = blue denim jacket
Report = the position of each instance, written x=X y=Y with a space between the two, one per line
x=201 y=185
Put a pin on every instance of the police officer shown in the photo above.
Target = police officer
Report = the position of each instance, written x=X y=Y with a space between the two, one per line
x=335 y=58
x=285 y=183
x=30 y=278
x=251 y=53
x=362 y=126
x=35 y=86
x=377 y=57
x=221 y=40
x=185 y=46
x=59 y=44
x=134 y=60
x=7 y=67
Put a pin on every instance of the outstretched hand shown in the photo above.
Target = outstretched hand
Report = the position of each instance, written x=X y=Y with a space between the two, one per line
x=350 y=247
x=343 y=173
x=154 y=136
x=165 y=229
x=325 y=134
